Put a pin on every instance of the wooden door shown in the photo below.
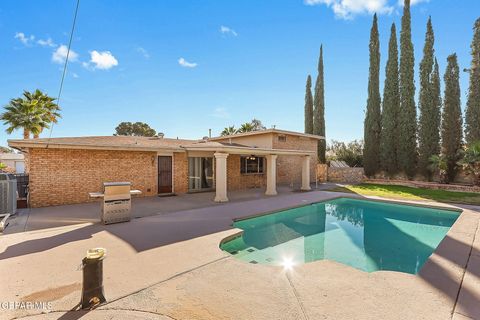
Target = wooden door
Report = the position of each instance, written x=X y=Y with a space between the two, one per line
x=164 y=174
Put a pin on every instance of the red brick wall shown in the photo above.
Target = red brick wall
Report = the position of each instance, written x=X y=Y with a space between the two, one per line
x=289 y=168
x=238 y=181
x=66 y=176
x=180 y=172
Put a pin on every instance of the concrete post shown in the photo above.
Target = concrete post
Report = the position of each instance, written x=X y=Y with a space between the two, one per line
x=271 y=175
x=306 y=173
x=221 y=177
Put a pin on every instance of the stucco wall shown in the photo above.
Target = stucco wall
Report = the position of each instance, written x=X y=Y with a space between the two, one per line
x=66 y=176
x=259 y=141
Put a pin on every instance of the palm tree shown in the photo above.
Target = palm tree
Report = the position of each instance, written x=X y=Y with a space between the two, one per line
x=471 y=161
x=246 y=127
x=20 y=115
x=228 y=131
x=439 y=163
x=33 y=112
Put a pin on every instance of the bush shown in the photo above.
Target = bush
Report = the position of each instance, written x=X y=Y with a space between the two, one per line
x=471 y=161
x=351 y=153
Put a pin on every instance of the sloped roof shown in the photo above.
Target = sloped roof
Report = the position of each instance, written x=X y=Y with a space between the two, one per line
x=103 y=142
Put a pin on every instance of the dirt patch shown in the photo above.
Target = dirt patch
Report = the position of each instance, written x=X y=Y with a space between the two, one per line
x=52 y=294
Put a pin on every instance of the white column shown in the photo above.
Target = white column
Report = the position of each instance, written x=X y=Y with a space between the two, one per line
x=221 y=177
x=306 y=173
x=271 y=175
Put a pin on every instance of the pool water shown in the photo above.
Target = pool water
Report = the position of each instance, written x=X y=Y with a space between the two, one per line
x=366 y=235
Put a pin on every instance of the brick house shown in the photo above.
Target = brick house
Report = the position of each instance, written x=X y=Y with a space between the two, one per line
x=65 y=170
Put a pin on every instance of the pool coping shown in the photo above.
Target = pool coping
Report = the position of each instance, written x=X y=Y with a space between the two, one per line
x=374 y=199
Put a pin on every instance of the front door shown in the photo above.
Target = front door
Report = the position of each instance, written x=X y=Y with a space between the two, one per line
x=164 y=174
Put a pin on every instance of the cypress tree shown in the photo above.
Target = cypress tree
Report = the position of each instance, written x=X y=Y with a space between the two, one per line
x=372 y=125
x=319 y=110
x=429 y=119
x=308 y=106
x=436 y=116
x=391 y=106
x=472 y=113
x=407 y=128
x=452 y=117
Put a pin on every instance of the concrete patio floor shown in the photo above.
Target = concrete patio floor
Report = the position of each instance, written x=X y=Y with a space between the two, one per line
x=59 y=216
x=168 y=265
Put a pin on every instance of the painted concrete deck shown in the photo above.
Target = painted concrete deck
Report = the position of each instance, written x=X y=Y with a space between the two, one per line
x=169 y=266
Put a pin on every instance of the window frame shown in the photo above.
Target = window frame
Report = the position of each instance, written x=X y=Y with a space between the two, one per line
x=244 y=165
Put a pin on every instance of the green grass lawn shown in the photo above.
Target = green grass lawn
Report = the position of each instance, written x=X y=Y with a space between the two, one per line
x=410 y=193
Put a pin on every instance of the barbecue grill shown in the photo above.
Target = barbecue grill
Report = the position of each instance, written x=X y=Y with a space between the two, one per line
x=116 y=205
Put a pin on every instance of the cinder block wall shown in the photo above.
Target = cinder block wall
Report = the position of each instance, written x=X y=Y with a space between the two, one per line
x=289 y=168
x=66 y=176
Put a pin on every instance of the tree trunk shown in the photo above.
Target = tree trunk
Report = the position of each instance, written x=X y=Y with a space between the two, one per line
x=35 y=136
x=26 y=134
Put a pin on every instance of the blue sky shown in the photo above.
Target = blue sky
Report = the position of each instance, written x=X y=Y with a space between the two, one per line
x=187 y=66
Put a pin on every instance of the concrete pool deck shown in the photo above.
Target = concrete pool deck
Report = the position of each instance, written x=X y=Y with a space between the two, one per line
x=169 y=266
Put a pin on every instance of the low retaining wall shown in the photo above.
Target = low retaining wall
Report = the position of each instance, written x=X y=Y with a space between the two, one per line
x=333 y=174
x=354 y=175
x=427 y=185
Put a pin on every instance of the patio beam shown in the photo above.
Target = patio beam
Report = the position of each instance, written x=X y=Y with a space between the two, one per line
x=221 y=177
x=306 y=173
x=271 y=175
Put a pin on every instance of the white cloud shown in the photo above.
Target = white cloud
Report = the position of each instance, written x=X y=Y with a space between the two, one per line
x=227 y=30
x=60 y=54
x=26 y=40
x=103 y=60
x=348 y=9
x=47 y=43
x=221 y=113
x=143 y=52
x=186 y=64
x=75 y=75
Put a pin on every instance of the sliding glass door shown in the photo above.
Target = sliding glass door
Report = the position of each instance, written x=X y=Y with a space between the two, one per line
x=200 y=173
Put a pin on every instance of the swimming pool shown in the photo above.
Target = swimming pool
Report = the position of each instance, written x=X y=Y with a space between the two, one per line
x=367 y=235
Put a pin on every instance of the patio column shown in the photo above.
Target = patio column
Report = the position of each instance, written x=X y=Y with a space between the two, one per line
x=221 y=177
x=306 y=173
x=271 y=175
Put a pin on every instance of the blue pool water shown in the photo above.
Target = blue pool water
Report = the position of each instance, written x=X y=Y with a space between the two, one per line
x=366 y=235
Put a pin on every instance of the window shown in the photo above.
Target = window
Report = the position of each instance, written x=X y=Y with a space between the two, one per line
x=282 y=138
x=252 y=165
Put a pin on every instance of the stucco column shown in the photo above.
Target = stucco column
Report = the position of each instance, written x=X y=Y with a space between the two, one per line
x=306 y=173
x=221 y=177
x=271 y=175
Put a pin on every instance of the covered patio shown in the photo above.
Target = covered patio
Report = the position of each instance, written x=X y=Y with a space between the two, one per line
x=221 y=151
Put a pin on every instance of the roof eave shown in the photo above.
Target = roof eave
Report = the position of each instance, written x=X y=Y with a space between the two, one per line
x=251 y=133
x=21 y=144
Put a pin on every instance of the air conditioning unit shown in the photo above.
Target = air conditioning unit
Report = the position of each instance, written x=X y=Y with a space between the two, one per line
x=8 y=193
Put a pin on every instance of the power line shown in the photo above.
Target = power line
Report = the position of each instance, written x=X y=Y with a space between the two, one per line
x=65 y=66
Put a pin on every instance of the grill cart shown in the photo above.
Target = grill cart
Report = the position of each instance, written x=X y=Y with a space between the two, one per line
x=116 y=205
